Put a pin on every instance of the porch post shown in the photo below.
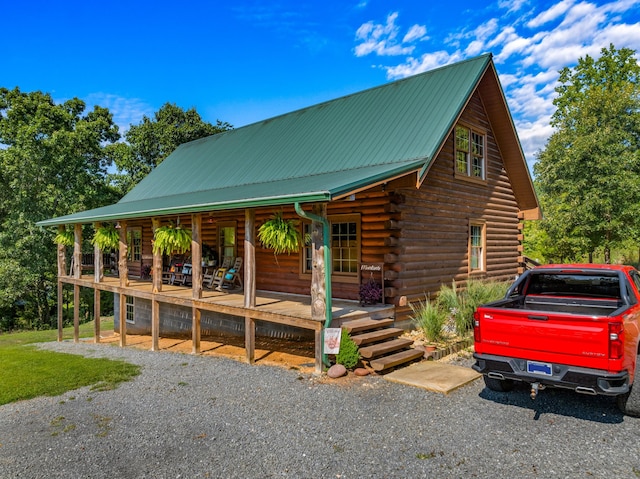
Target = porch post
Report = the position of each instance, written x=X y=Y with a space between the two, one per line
x=62 y=271
x=123 y=266
x=318 y=269
x=123 y=270
x=249 y=282
x=157 y=261
x=77 y=271
x=98 y=275
x=196 y=255
x=196 y=278
x=98 y=266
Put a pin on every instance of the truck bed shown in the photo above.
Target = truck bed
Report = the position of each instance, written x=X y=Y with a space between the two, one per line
x=561 y=304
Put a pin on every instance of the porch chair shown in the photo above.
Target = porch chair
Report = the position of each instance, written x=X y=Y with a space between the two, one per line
x=231 y=278
x=209 y=278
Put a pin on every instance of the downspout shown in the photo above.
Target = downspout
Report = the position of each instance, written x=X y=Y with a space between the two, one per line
x=327 y=265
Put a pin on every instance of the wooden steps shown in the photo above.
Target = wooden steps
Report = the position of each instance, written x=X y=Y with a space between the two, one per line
x=380 y=343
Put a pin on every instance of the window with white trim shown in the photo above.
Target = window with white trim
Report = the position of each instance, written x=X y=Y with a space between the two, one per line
x=345 y=245
x=131 y=309
x=470 y=153
x=477 y=242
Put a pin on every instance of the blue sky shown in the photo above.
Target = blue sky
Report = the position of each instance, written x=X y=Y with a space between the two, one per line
x=244 y=61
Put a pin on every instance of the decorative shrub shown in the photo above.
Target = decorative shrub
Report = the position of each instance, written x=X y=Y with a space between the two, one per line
x=107 y=238
x=370 y=292
x=349 y=354
x=171 y=239
x=66 y=238
x=460 y=303
x=428 y=317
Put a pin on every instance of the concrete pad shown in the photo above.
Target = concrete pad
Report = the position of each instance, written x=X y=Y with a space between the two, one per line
x=434 y=376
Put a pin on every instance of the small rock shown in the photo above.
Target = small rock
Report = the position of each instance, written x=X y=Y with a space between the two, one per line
x=336 y=371
x=361 y=372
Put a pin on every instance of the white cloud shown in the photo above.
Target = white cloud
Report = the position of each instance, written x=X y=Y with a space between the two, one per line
x=530 y=46
x=551 y=14
x=125 y=111
x=382 y=39
x=416 y=32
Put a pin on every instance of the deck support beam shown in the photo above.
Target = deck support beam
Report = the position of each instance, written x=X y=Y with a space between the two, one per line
x=155 y=325
x=195 y=330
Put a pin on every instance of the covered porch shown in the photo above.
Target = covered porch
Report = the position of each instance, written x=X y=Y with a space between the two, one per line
x=279 y=308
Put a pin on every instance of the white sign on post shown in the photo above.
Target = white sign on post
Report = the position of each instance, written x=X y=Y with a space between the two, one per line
x=332 y=340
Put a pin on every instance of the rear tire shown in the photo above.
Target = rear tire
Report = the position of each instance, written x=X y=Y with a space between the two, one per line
x=500 y=385
x=629 y=403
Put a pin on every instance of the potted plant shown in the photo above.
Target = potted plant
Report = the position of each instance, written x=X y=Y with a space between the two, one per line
x=370 y=292
x=280 y=235
x=171 y=239
x=107 y=238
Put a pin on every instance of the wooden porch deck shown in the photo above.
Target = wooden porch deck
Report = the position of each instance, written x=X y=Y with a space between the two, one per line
x=291 y=310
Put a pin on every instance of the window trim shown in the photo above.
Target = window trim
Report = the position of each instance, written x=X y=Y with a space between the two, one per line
x=483 y=247
x=219 y=242
x=470 y=132
x=130 y=307
x=131 y=250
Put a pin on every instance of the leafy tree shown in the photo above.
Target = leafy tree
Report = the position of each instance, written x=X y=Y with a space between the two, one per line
x=151 y=141
x=52 y=162
x=589 y=172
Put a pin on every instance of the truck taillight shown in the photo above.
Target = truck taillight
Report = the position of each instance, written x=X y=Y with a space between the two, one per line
x=616 y=340
x=476 y=327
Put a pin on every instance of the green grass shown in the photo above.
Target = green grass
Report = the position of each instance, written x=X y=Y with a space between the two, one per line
x=28 y=372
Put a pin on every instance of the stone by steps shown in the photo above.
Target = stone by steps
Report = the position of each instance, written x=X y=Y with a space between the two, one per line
x=380 y=343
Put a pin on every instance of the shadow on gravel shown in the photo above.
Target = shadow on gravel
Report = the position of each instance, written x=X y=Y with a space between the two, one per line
x=601 y=409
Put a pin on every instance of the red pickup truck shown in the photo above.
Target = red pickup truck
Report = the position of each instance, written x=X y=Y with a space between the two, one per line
x=574 y=326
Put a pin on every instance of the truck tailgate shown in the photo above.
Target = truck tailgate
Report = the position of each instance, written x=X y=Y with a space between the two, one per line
x=560 y=338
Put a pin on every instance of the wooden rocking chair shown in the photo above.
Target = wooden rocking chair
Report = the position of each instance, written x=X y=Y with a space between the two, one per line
x=229 y=279
x=209 y=278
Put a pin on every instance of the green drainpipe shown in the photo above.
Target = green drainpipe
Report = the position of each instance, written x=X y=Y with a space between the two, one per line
x=327 y=266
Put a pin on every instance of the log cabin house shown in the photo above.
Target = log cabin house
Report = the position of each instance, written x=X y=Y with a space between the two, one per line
x=422 y=180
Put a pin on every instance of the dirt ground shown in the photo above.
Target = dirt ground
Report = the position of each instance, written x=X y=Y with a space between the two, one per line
x=298 y=355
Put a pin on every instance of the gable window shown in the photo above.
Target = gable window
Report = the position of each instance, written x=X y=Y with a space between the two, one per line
x=345 y=246
x=477 y=246
x=470 y=153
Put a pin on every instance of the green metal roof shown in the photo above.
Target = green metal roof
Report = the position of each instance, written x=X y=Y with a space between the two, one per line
x=315 y=154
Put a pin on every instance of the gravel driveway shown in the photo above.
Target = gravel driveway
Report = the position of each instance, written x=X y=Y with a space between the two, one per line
x=197 y=417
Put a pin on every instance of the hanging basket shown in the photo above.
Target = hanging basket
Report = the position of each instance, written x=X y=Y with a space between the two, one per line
x=171 y=239
x=280 y=235
x=107 y=238
x=66 y=238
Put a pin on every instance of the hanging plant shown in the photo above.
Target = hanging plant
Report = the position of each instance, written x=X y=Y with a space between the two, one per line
x=280 y=235
x=66 y=238
x=107 y=238
x=171 y=239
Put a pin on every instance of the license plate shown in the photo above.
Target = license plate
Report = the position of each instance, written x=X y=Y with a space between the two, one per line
x=544 y=369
